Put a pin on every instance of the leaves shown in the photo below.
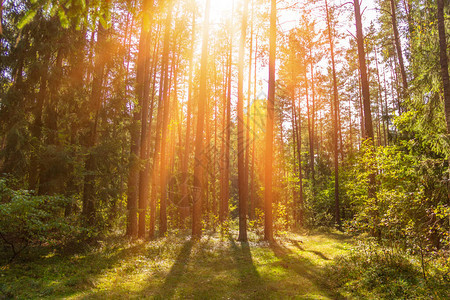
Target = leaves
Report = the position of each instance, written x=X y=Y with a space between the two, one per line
x=25 y=218
x=63 y=18
x=26 y=19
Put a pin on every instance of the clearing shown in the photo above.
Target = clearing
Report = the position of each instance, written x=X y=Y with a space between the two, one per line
x=176 y=267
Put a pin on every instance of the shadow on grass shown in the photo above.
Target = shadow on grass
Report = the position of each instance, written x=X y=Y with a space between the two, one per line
x=338 y=236
x=59 y=275
x=174 y=277
x=249 y=279
x=305 y=268
x=318 y=253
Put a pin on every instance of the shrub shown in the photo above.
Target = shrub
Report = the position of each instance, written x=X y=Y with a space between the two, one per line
x=27 y=219
x=374 y=272
x=409 y=206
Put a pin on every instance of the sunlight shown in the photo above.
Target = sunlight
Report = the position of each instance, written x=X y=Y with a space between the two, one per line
x=221 y=9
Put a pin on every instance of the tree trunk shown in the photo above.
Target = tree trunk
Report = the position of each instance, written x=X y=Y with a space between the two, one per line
x=252 y=182
x=361 y=110
x=138 y=135
x=247 y=127
x=385 y=112
x=297 y=137
x=214 y=160
x=206 y=161
x=380 y=108
x=165 y=124
x=142 y=91
x=76 y=75
x=156 y=162
x=240 y=118
x=88 y=210
x=398 y=47
x=295 y=168
x=225 y=191
x=268 y=218
x=443 y=58
x=298 y=131
x=199 y=151
x=184 y=209
x=311 y=123
x=223 y=138
x=368 y=126
x=36 y=128
x=335 y=104
x=49 y=181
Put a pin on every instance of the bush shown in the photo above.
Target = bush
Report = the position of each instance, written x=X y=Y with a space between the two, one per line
x=375 y=272
x=410 y=204
x=27 y=219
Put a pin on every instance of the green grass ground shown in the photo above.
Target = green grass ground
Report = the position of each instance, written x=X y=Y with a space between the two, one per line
x=177 y=268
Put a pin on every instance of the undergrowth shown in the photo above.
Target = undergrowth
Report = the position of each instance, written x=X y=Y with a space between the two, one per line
x=370 y=271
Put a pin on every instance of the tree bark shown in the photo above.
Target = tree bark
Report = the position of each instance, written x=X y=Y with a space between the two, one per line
x=88 y=210
x=398 y=47
x=156 y=162
x=311 y=123
x=252 y=181
x=268 y=218
x=443 y=58
x=243 y=194
x=184 y=209
x=368 y=126
x=199 y=152
x=225 y=190
x=248 y=127
x=36 y=128
x=335 y=104
x=298 y=131
x=49 y=181
x=165 y=124
x=142 y=90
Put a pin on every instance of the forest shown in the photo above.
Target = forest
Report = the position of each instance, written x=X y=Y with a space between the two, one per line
x=225 y=149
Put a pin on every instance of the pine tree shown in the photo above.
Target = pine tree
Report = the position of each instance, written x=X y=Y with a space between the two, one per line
x=199 y=149
x=268 y=196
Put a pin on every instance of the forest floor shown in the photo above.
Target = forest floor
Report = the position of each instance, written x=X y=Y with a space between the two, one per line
x=214 y=267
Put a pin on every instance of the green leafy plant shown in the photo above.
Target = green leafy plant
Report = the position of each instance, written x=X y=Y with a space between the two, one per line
x=28 y=219
x=378 y=272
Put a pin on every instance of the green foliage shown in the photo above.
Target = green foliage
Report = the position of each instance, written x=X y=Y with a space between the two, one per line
x=28 y=219
x=374 y=272
x=409 y=197
x=70 y=12
x=257 y=225
x=281 y=219
x=27 y=18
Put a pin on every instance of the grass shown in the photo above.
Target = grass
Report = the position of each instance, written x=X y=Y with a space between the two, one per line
x=177 y=268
